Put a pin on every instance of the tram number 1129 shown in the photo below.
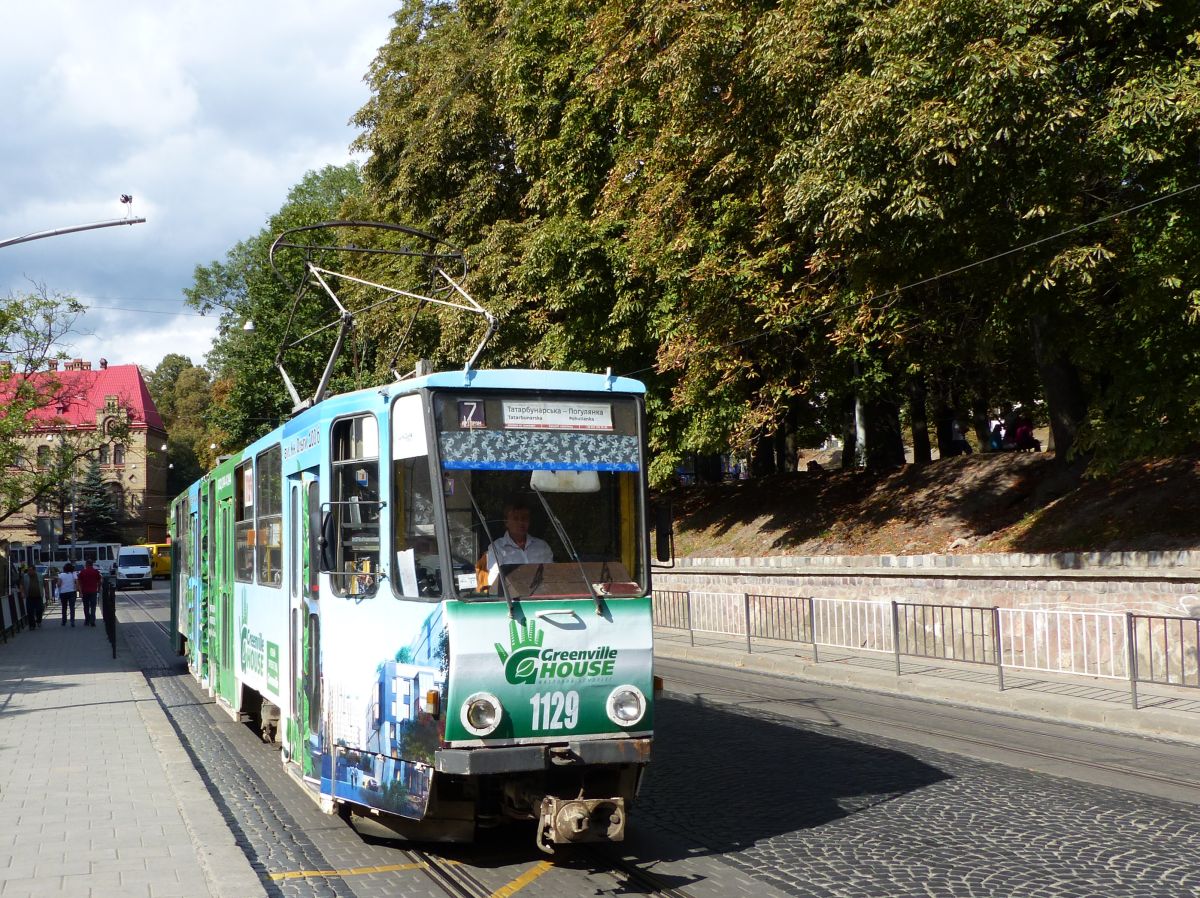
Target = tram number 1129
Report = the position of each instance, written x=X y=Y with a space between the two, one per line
x=555 y=710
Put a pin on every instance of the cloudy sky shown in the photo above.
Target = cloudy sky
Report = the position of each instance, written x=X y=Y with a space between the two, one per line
x=205 y=111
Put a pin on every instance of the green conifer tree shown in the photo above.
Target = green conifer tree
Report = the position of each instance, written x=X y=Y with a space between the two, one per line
x=96 y=516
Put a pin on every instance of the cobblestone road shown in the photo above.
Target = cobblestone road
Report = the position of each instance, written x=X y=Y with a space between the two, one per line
x=774 y=801
x=818 y=815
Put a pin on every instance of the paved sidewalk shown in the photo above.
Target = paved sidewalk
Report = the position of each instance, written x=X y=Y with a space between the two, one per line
x=97 y=795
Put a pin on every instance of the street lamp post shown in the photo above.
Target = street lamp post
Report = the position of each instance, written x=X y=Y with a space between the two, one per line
x=126 y=199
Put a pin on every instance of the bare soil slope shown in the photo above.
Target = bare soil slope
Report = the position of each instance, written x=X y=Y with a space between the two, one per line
x=978 y=503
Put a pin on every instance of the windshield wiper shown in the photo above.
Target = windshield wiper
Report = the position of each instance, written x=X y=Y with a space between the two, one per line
x=499 y=572
x=566 y=541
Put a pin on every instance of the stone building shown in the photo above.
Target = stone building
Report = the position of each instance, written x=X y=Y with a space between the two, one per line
x=109 y=410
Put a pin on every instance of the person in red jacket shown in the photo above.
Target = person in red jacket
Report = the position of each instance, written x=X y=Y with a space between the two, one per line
x=89 y=585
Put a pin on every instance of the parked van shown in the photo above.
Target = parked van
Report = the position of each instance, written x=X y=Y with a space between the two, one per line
x=160 y=559
x=133 y=567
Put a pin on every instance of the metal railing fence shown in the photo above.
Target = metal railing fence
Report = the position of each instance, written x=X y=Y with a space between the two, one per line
x=948 y=633
x=672 y=611
x=783 y=618
x=1140 y=648
x=1163 y=650
x=1078 y=642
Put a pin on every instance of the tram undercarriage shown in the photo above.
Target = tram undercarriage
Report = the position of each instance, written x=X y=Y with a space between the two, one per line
x=573 y=800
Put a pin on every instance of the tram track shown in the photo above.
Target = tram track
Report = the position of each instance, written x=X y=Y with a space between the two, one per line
x=628 y=873
x=452 y=878
x=455 y=878
x=996 y=744
x=1025 y=728
x=146 y=611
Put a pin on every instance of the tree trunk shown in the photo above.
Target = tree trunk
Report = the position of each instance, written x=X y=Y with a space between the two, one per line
x=885 y=442
x=1065 y=397
x=922 y=451
x=708 y=467
x=860 y=432
x=790 y=451
x=982 y=425
x=762 y=461
x=850 y=434
x=942 y=419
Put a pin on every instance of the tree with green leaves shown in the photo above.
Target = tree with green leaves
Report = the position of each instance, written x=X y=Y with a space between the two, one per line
x=922 y=138
x=247 y=393
x=182 y=392
x=791 y=220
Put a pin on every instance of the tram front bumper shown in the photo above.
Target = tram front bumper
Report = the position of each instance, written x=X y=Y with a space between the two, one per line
x=519 y=758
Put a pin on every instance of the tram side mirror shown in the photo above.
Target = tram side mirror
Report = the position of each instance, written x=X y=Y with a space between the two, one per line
x=565 y=481
x=664 y=531
x=325 y=542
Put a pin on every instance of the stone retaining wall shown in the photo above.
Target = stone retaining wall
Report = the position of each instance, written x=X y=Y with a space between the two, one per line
x=1165 y=583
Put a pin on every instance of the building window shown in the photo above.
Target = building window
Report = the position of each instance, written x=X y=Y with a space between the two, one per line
x=118 y=454
x=104 y=454
x=43 y=456
x=116 y=496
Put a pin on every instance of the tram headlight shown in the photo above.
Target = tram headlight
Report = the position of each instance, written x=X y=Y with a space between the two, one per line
x=481 y=713
x=626 y=705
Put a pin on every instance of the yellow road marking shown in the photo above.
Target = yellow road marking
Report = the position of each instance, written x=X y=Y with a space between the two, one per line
x=521 y=881
x=353 y=871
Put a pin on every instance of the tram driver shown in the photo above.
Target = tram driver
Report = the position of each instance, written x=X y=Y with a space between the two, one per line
x=516 y=546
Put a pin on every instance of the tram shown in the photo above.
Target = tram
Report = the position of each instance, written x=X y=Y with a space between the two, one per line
x=340 y=583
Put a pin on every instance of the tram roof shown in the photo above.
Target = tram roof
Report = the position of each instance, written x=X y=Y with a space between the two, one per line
x=523 y=379
x=527 y=379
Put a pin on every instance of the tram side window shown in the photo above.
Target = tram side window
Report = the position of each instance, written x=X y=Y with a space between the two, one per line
x=268 y=545
x=186 y=518
x=313 y=508
x=355 y=506
x=243 y=523
x=418 y=555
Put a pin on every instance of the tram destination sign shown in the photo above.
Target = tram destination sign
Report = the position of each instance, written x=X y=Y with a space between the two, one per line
x=541 y=415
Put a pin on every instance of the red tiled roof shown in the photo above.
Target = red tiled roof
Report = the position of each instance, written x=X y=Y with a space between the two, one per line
x=83 y=392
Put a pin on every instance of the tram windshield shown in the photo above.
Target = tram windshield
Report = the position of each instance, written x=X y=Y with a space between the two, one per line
x=542 y=495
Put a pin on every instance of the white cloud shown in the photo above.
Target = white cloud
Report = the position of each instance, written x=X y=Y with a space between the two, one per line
x=104 y=334
x=208 y=113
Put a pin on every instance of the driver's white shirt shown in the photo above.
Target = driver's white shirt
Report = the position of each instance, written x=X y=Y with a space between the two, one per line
x=505 y=551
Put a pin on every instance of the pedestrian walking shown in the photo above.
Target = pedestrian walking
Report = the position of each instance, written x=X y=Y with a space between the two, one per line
x=31 y=588
x=89 y=588
x=66 y=592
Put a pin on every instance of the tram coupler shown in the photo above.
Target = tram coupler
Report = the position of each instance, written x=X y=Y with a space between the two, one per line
x=577 y=820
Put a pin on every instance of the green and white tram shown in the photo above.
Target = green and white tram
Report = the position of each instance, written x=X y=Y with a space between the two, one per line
x=344 y=575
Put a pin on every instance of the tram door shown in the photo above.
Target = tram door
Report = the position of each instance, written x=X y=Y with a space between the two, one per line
x=305 y=626
x=205 y=645
x=225 y=543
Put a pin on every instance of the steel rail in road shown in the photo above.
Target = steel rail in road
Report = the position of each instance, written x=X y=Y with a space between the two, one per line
x=626 y=873
x=454 y=878
x=146 y=611
x=994 y=744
